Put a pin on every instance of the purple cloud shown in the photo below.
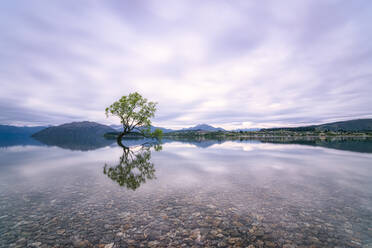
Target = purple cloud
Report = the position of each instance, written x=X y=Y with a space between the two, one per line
x=231 y=64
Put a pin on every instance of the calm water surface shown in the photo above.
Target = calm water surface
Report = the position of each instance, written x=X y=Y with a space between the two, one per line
x=211 y=194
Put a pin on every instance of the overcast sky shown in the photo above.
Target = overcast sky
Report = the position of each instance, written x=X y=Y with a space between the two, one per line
x=227 y=63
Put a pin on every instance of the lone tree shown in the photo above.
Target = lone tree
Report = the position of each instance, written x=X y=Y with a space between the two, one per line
x=134 y=112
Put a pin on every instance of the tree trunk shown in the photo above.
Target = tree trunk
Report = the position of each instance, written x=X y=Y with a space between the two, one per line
x=120 y=137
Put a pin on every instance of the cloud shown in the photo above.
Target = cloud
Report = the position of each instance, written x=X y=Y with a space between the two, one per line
x=231 y=64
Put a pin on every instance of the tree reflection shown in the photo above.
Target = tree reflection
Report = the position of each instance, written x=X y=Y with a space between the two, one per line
x=134 y=166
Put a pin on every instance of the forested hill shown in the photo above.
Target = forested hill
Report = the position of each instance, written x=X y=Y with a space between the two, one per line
x=358 y=125
x=84 y=128
x=76 y=135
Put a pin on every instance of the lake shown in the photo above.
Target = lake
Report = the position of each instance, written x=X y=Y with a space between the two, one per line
x=203 y=193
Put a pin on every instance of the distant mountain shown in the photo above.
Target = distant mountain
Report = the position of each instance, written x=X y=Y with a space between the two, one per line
x=358 y=125
x=76 y=135
x=116 y=127
x=14 y=130
x=165 y=130
x=200 y=127
x=82 y=128
x=18 y=136
x=352 y=125
x=203 y=127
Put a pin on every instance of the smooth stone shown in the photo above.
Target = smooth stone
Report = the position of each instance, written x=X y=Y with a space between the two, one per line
x=153 y=243
x=35 y=244
x=288 y=246
x=109 y=245
x=81 y=244
x=234 y=240
x=21 y=240
x=221 y=244
x=211 y=206
x=269 y=244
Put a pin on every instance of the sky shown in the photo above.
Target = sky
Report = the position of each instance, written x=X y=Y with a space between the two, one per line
x=232 y=64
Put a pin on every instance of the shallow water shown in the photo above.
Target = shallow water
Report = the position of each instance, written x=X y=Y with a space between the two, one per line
x=211 y=194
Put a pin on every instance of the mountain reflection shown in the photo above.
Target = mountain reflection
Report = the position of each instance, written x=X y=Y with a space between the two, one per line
x=75 y=142
x=87 y=143
x=134 y=166
x=356 y=144
x=363 y=145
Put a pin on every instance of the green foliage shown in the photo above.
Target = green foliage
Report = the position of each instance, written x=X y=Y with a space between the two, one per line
x=146 y=131
x=158 y=147
x=134 y=167
x=124 y=173
x=134 y=111
x=157 y=134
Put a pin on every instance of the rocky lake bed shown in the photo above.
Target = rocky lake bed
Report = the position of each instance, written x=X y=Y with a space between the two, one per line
x=233 y=194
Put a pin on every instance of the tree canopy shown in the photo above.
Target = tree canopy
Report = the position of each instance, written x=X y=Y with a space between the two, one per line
x=135 y=113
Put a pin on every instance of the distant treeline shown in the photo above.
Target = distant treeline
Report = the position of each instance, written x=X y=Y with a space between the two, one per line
x=294 y=129
x=359 y=125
